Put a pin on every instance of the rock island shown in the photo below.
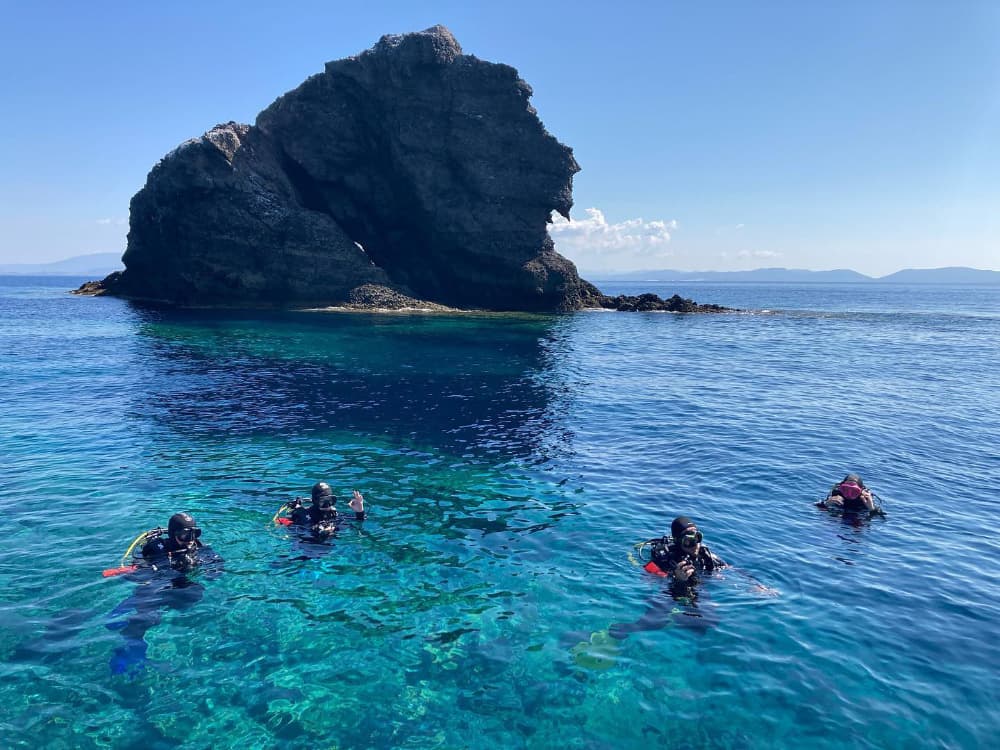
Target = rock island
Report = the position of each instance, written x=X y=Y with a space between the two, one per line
x=411 y=173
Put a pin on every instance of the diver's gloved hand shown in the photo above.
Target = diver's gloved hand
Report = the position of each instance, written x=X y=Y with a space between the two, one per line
x=130 y=658
x=184 y=560
x=357 y=502
x=684 y=570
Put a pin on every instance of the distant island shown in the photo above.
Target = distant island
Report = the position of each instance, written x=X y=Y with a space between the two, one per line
x=94 y=264
x=948 y=275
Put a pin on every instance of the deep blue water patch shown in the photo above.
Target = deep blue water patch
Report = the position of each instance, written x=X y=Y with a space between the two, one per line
x=510 y=464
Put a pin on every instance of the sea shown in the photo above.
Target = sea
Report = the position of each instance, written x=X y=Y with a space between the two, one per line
x=512 y=466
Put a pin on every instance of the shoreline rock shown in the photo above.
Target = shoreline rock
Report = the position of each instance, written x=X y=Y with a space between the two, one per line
x=376 y=298
x=653 y=303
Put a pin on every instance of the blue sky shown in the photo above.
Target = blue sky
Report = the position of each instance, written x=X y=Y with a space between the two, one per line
x=712 y=135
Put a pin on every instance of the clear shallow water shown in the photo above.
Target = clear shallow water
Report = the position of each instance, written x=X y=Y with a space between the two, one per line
x=510 y=463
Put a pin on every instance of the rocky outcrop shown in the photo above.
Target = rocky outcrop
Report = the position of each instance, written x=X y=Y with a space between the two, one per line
x=411 y=166
x=375 y=297
x=653 y=303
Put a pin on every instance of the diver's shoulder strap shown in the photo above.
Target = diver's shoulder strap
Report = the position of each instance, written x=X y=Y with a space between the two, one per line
x=144 y=537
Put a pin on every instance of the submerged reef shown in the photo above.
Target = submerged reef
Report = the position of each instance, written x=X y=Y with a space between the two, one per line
x=408 y=173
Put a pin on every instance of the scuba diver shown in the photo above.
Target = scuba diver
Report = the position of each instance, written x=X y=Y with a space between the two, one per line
x=681 y=554
x=319 y=522
x=682 y=557
x=850 y=495
x=321 y=517
x=166 y=560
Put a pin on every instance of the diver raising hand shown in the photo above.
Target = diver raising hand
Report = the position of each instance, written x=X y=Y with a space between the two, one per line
x=321 y=515
x=357 y=503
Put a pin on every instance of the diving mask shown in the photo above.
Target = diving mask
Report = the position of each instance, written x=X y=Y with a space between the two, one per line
x=691 y=538
x=849 y=490
x=187 y=535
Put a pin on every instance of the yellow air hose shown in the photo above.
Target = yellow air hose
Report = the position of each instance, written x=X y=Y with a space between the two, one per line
x=144 y=535
x=636 y=557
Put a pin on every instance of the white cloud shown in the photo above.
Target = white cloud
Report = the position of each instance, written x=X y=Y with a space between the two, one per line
x=729 y=229
x=595 y=245
x=758 y=254
x=750 y=254
x=116 y=222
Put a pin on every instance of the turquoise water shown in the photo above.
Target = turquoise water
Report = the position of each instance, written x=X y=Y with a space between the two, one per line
x=510 y=463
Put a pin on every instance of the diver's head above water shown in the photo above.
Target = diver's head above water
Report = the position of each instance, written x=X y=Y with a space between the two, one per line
x=686 y=535
x=322 y=496
x=183 y=530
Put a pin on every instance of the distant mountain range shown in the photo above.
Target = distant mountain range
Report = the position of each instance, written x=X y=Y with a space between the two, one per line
x=96 y=265
x=950 y=275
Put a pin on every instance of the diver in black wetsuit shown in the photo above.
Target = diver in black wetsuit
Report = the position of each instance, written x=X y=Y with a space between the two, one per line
x=850 y=495
x=682 y=554
x=681 y=557
x=182 y=549
x=162 y=576
x=317 y=524
x=321 y=517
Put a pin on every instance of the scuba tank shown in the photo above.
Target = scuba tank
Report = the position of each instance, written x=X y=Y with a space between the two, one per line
x=145 y=537
x=291 y=506
x=658 y=548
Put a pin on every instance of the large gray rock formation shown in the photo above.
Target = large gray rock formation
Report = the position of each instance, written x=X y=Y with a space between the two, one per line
x=411 y=166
